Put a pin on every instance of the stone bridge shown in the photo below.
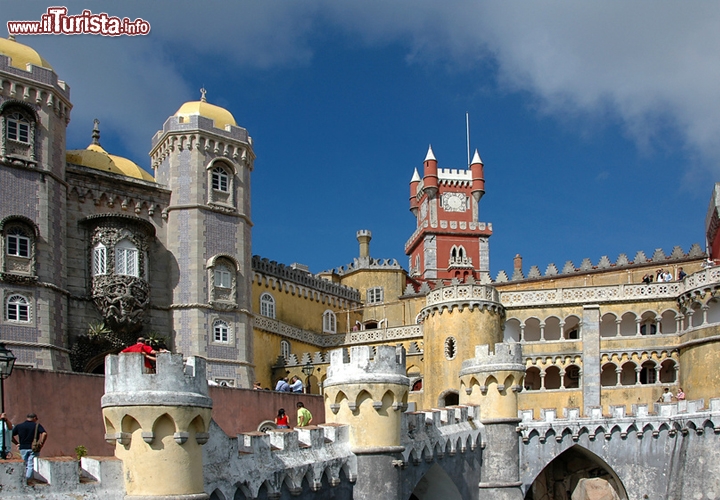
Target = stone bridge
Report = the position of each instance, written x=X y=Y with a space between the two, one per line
x=674 y=454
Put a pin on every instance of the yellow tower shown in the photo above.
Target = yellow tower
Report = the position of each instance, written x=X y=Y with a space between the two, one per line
x=456 y=318
x=369 y=394
x=492 y=381
x=158 y=423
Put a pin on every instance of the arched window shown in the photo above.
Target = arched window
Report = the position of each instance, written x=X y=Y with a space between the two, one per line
x=99 y=260
x=126 y=259
x=223 y=279
x=17 y=308
x=329 y=322
x=18 y=127
x=18 y=242
x=285 y=349
x=221 y=331
x=267 y=305
x=220 y=180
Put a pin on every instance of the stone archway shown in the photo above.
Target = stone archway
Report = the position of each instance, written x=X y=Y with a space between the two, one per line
x=435 y=485
x=560 y=478
x=450 y=397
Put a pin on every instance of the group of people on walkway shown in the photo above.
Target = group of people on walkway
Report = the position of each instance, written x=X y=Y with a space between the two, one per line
x=304 y=417
x=29 y=436
x=667 y=396
x=295 y=385
x=149 y=353
x=663 y=276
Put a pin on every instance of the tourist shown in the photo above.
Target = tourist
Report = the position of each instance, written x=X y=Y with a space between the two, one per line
x=30 y=437
x=304 y=417
x=647 y=279
x=147 y=351
x=681 y=274
x=296 y=385
x=5 y=437
x=667 y=277
x=680 y=395
x=666 y=396
x=660 y=276
x=282 y=420
x=282 y=385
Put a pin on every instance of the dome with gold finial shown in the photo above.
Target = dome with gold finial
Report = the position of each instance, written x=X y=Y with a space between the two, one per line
x=21 y=55
x=221 y=116
x=99 y=159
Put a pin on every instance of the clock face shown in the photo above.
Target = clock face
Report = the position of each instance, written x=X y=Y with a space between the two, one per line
x=423 y=209
x=454 y=202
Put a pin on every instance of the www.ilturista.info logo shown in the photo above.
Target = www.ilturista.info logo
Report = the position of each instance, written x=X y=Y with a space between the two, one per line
x=56 y=21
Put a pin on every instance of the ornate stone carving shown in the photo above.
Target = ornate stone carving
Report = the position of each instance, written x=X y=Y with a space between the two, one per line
x=121 y=300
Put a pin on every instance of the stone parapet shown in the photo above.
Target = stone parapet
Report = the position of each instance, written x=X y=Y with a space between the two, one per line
x=176 y=383
x=386 y=367
x=279 y=460
x=61 y=479
x=681 y=417
x=433 y=434
x=507 y=357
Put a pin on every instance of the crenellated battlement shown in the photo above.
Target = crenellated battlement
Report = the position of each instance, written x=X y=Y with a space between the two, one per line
x=506 y=358
x=359 y=366
x=175 y=383
x=681 y=417
x=433 y=434
x=277 y=460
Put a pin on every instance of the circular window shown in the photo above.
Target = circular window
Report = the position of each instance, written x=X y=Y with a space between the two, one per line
x=450 y=348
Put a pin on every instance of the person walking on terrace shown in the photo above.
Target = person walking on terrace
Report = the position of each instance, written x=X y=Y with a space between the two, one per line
x=30 y=437
x=304 y=417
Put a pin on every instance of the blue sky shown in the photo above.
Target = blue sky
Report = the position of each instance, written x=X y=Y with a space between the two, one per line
x=598 y=130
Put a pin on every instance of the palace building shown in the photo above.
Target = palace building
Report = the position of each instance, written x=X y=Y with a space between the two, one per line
x=95 y=251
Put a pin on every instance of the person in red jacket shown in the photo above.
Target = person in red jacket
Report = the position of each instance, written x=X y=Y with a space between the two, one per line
x=146 y=351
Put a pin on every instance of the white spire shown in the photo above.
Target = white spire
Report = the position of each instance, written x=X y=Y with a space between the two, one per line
x=415 y=177
x=430 y=155
x=476 y=159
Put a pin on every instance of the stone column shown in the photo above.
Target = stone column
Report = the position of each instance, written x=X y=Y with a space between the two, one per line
x=591 y=355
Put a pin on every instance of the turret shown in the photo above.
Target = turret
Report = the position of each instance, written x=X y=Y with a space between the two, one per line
x=414 y=184
x=492 y=381
x=364 y=236
x=478 y=177
x=430 y=173
x=158 y=423
x=369 y=394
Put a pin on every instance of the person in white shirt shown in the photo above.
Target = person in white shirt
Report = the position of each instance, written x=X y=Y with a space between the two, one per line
x=296 y=385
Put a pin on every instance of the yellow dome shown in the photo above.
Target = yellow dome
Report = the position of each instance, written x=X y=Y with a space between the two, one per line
x=21 y=55
x=96 y=157
x=220 y=116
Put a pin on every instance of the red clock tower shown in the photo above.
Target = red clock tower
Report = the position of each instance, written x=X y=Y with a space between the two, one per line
x=449 y=241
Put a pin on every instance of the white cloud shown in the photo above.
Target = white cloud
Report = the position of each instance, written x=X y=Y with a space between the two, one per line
x=653 y=66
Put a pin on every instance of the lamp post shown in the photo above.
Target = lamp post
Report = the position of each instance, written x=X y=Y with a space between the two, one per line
x=7 y=361
x=308 y=370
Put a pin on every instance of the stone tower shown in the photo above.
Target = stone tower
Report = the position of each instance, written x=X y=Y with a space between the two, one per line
x=449 y=241
x=34 y=114
x=205 y=159
x=492 y=381
x=158 y=423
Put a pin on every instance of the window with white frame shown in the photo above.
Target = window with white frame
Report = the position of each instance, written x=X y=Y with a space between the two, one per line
x=17 y=308
x=18 y=128
x=267 y=305
x=285 y=349
x=223 y=279
x=220 y=180
x=18 y=243
x=99 y=260
x=126 y=259
x=221 y=331
x=375 y=295
x=329 y=322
